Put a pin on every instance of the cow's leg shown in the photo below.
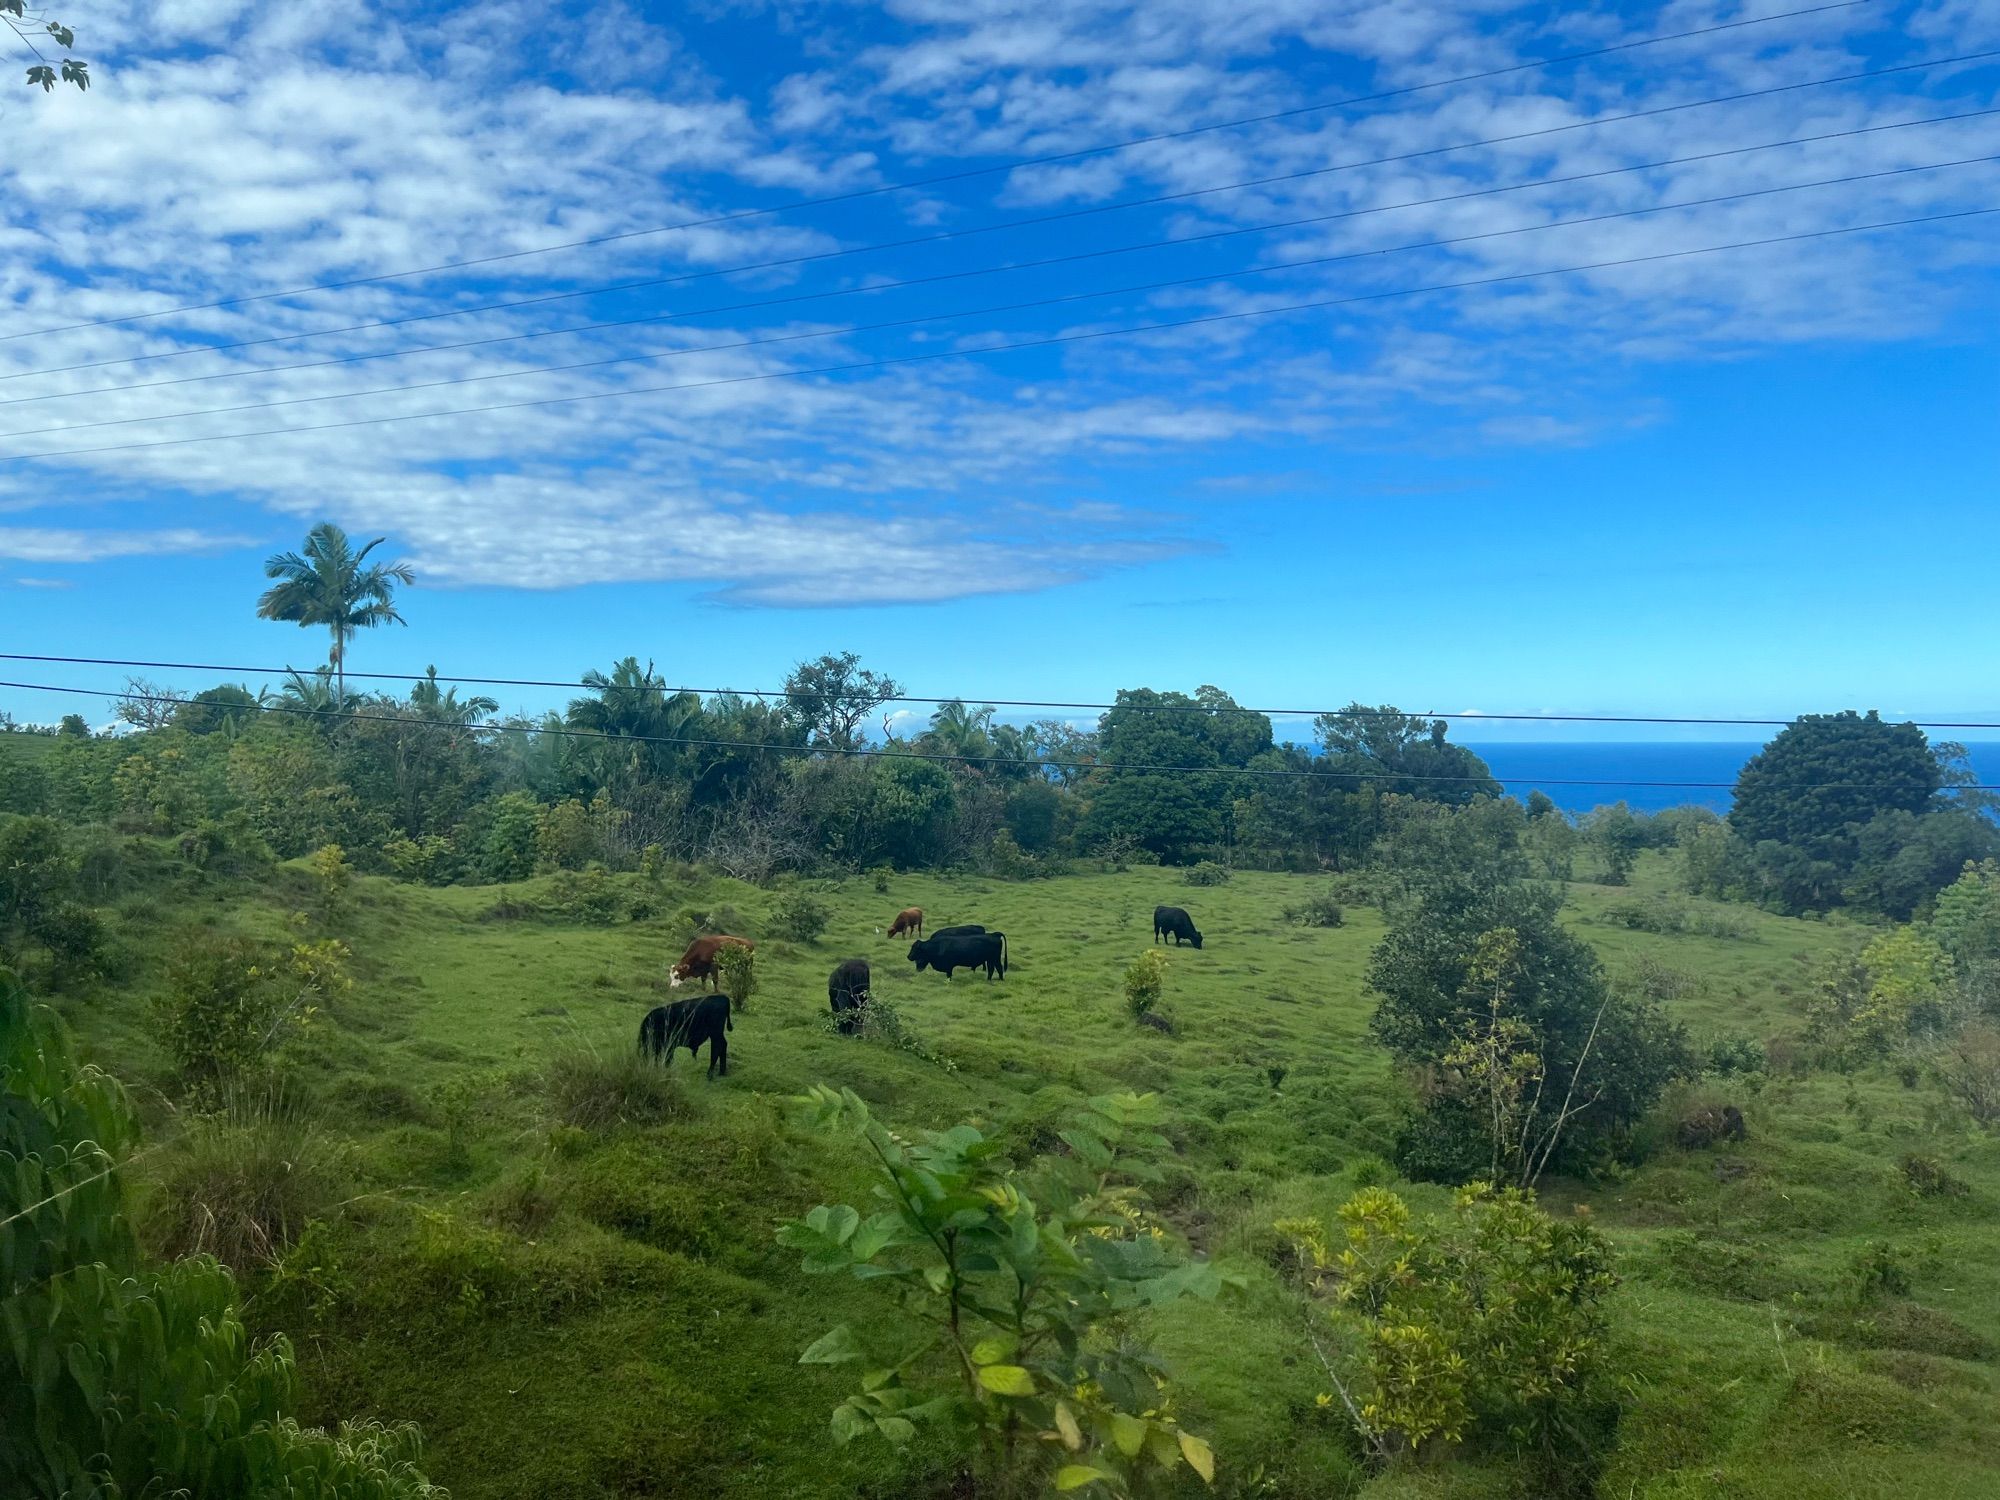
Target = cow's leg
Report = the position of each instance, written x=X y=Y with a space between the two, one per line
x=718 y=1053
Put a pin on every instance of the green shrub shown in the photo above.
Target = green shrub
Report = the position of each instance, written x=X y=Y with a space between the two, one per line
x=1145 y=982
x=1488 y=1321
x=1031 y=1280
x=882 y=1022
x=800 y=916
x=880 y=877
x=1879 y=1269
x=596 y=1090
x=1206 y=872
x=1927 y=1177
x=430 y=860
x=1317 y=910
x=118 y=1377
x=590 y=897
x=229 y=1003
x=736 y=973
x=333 y=883
x=243 y=1183
x=1968 y=1070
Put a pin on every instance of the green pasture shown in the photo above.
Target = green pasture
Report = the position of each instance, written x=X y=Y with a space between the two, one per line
x=604 y=1313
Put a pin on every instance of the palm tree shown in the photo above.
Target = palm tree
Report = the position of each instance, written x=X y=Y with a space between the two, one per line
x=443 y=704
x=330 y=586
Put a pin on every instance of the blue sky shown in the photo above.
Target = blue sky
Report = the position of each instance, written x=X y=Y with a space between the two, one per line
x=1751 y=482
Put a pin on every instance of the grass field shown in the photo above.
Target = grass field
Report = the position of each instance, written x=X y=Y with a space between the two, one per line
x=604 y=1312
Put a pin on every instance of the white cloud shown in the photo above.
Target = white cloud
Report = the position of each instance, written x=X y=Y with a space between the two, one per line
x=51 y=544
x=326 y=146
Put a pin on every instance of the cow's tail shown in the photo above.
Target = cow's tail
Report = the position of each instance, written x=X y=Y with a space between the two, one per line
x=1003 y=955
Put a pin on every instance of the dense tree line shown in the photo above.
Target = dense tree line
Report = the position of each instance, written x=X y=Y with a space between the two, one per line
x=428 y=785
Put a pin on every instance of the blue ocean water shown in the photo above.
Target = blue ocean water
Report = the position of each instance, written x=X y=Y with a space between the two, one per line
x=1650 y=776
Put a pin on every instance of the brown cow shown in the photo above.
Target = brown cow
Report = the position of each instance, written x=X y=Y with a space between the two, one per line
x=910 y=919
x=699 y=960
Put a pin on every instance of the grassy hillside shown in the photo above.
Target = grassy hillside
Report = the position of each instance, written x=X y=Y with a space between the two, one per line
x=598 y=1313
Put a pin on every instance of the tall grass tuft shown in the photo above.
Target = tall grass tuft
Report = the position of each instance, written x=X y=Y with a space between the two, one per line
x=241 y=1184
x=595 y=1090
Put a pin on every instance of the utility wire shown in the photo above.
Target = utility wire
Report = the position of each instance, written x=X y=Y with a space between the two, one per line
x=626 y=286
x=763 y=747
x=873 y=287
x=669 y=690
x=952 y=315
x=1041 y=342
x=965 y=175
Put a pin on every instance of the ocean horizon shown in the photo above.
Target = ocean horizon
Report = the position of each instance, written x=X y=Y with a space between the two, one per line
x=1578 y=776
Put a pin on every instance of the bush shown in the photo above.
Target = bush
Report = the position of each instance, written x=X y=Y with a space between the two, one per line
x=591 y=898
x=593 y=1090
x=736 y=973
x=121 y=1378
x=1674 y=918
x=1968 y=1070
x=800 y=916
x=1734 y=1054
x=1317 y=910
x=1145 y=982
x=882 y=1022
x=880 y=877
x=1206 y=872
x=1879 y=1269
x=333 y=883
x=228 y=1004
x=1488 y=1321
x=1039 y=1321
x=242 y=1184
x=1927 y=1178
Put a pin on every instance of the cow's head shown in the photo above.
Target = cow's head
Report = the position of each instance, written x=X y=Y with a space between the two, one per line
x=675 y=975
x=1195 y=937
x=920 y=957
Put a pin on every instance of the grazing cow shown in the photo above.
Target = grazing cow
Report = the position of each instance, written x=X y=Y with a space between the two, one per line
x=847 y=994
x=909 y=919
x=969 y=929
x=699 y=960
x=689 y=1023
x=974 y=950
x=1173 y=922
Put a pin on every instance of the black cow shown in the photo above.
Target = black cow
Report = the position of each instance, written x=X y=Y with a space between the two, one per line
x=1173 y=922
x=847 y=994
x=971 y=929
x=689 y=1023
x=974 y=950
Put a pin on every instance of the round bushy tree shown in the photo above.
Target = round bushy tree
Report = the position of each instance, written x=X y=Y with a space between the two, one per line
x=1825 y=775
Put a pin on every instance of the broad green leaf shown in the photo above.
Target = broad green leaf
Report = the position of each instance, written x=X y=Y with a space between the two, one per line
x=848 y=1424
x=898 y=1430
x=990 y=1351
x=1072 y=1435
x=1076 y=1476
x=1128 y=1432
x=1164 y=1450
x=876 y=1234
x=836 y=1347
x=1200 y=1457
x=1007 y=1380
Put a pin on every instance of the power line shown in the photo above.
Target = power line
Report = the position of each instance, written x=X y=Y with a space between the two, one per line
x=671 y=690
x=544 y=298
x=762 y=747
x=1065 y=299
x=1042 y=342
x=872 y=288
x=965 y=175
